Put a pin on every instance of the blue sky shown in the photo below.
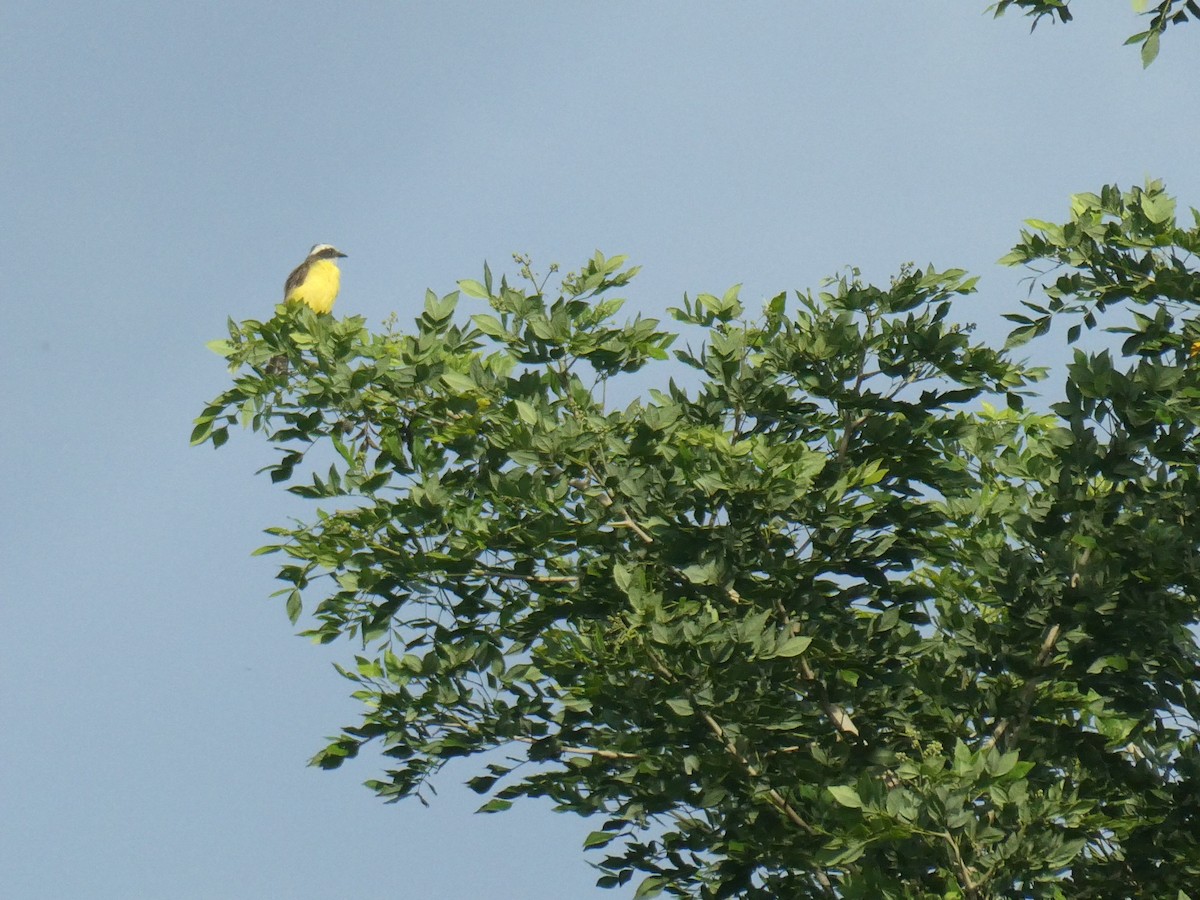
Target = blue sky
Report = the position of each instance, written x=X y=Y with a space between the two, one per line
x=167 y=164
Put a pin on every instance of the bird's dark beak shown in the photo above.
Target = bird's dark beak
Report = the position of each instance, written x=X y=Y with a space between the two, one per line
x=340 y=253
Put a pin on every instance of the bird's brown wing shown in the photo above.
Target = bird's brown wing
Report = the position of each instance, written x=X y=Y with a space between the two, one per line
x=296 y=278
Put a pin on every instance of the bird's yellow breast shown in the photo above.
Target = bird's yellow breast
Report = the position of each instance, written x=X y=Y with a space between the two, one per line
x=319 y=287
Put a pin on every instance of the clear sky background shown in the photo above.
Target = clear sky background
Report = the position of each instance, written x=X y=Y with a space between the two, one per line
x=166 y=164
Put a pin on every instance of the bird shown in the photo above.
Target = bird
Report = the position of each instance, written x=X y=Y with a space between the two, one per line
x=315 y=281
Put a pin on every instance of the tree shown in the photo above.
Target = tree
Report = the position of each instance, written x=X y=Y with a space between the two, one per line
x=1165 y=13
x=833 y=612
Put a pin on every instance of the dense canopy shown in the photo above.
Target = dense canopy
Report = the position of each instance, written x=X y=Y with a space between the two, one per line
x=830 y=599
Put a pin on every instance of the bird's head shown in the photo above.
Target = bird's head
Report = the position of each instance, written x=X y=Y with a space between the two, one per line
x=324 y=251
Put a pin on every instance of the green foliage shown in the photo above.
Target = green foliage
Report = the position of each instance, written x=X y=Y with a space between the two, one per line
x=1166 y=12
x=826 y=613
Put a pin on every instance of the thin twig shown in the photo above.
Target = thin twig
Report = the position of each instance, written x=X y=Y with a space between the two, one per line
x=514 y=576
x=839 y=717
x=1028 y=692
x=637 y=529
x=584 y=751
x=964 y=871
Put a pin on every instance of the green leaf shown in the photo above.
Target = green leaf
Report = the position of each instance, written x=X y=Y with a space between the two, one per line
x=650 y=887
x=598 y=839
x=1158 y=207
x=526 y=413
x=488 y=324
x=473 y=288
x=1149 y=49
x=793 y=646
x=200 y=433
x=293 y=606
x=481 y=784
x=775 y=306
x=888 y=619
x=1000 y=765
x=845 y=795
x=368 y=668
x=460 y=383
x=843 y=852
x=1114 y=662
x=700 y=573
x=440 y=309
x=681 y=707
x=623 y=576
x=493 y=806
x=1019 y=336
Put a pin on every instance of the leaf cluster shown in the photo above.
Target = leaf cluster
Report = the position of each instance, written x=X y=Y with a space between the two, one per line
x=1162 y=15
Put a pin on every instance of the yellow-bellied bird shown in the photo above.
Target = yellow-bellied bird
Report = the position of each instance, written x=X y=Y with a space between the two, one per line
x=316 y=280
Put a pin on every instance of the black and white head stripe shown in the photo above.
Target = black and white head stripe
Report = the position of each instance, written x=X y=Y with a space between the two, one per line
x=324 y=251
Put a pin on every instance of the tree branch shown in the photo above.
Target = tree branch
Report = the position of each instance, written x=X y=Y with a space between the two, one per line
x=1028 y=692
x=776 y=799
x=584 y=751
